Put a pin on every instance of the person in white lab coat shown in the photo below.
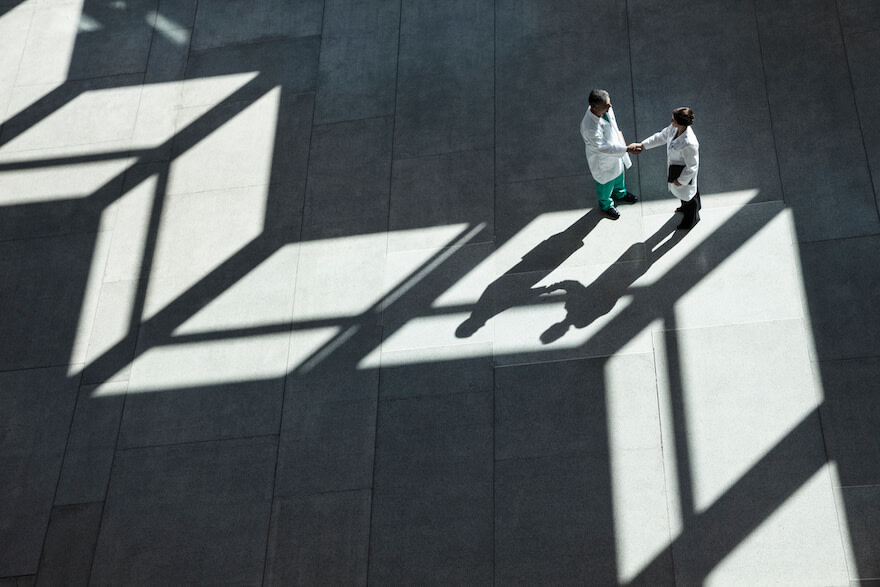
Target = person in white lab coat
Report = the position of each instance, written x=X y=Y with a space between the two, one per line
x=683 y=161
x=607 y=153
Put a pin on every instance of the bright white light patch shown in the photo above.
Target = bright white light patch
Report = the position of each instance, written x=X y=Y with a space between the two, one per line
x=87 y=24
x=203 y=364
x=169 y=29
x=798 y=544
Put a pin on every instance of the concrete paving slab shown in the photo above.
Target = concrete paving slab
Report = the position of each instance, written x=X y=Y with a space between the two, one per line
x=432 y=532
x=189 y=484
x=553 y=520
x=97 y=114
x=326 y=446
x=444 y=79
x=804 y=59
x=862 y=51
x=349 y=173
x=296 y=72
x=358 y=69
x=443 y=189
x=49 y=299
x=329 y=534
x=693 y=69
x=751 y=246
x=850 y=415
x=409 y=374
x=70 y=544
x=570 y=313
x=227 y=22
x=50 y=44
x=844 y=321
x=38 y=406
x=519 y=203
x=858 y=16
x=209 y=412
x=861 y=506
x=113 y=39
x=347 y=288
x=427 y=440
x=549 y=57
x=91 y=446
x=756 y=438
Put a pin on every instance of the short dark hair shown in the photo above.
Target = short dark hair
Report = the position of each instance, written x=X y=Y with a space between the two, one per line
x=599 y=98
x=683 y=116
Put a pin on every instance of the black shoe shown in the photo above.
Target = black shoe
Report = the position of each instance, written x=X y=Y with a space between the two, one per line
x=691 y=215
x=611 y=213
x=629 y=198
x=679 y=209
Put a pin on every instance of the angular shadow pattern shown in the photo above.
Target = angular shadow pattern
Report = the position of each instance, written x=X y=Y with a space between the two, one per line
x=480 y=466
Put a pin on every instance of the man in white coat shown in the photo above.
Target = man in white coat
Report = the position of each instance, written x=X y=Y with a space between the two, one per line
x=607 y=153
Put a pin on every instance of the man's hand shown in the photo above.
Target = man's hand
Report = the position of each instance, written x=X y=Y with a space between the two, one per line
x=635 y=148
x=676 y=183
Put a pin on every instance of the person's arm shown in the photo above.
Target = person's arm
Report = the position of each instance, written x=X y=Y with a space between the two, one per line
x=657 y=139
x=596 y=141
x=595 y=138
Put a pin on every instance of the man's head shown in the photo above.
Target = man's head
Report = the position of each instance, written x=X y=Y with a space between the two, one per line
x=600 y=102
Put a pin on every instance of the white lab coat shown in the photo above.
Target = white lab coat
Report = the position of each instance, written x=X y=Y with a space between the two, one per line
x=684 y=150
x=606 y=151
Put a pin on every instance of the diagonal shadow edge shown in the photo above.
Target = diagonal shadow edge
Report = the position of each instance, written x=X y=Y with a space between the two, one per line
x=749 y=502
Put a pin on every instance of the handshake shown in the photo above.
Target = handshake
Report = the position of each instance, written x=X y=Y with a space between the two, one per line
x=635 y=148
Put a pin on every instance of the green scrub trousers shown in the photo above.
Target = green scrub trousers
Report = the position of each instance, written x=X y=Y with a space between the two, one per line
x=613 y=190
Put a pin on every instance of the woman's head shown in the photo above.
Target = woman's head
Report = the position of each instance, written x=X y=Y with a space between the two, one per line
x=683 y=116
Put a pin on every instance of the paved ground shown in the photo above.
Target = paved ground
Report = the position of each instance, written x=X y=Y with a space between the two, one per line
x=315 y=292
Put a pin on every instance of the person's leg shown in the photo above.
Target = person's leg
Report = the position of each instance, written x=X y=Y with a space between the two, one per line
x=603 y=192
x=620 y=193
x=691 y=212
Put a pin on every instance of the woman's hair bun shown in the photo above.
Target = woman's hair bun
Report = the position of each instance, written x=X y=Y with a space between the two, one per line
x=683 y=116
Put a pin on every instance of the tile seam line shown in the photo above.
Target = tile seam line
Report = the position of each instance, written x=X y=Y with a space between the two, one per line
x=802 y=243
x=381 y=322
x=727 y=324
x=196 y=442
x=494 y=241
x=18 y=65
x=440 y=153
x=569 y=359
x=852 y=87
x=260 y=41
x=537 y=179
x=632 y=89
x=265 y=569
x=767 y=98
x=79 y=377
x=842 y=359
x=116 y=444
x=348 y=120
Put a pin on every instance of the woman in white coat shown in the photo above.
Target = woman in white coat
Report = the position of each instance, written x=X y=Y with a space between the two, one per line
x=683 y=160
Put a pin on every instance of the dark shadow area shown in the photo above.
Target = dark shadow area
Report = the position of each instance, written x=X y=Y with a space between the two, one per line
x=584 y=304
x=538 y=263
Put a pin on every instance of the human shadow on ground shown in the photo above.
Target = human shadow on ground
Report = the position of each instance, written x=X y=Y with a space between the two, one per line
x=502 y=294
x=584 y=304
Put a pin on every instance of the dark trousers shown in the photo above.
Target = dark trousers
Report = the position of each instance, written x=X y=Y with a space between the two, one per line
x=691 y=211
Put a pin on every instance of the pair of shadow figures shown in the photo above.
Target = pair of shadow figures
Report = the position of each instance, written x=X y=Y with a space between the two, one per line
x=583 y=304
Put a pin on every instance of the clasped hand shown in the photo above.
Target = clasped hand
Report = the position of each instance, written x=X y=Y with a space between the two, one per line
x=635 y=148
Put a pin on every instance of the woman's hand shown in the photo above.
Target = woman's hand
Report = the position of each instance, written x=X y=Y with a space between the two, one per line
x=635 y=148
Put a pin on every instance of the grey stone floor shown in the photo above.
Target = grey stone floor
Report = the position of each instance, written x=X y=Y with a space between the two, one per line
x=315 y=292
